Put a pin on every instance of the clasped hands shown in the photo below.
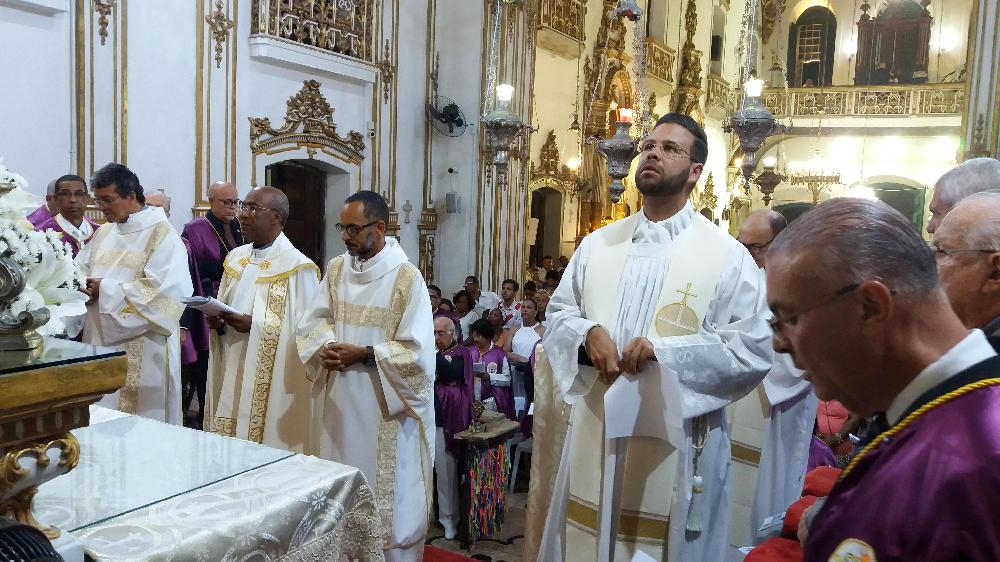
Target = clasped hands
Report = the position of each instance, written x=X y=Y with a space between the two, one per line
x=604 y=354
x=240 y=322
x=338 y=356
x=92 y=289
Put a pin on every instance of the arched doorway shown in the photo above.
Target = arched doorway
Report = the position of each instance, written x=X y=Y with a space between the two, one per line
x=812 y=44
x=546 y=208
x=316 y=190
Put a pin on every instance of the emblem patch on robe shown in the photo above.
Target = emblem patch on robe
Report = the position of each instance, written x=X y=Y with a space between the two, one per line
x=853 y=550
x=678 y=319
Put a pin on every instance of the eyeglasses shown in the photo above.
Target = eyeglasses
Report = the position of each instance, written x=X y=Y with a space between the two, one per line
x=778 y=323
x=669 y=148
x=107 y=201
x=756 y=249
x=251 y=208
x=352 y=230
x=227 y=202
x=942 y=252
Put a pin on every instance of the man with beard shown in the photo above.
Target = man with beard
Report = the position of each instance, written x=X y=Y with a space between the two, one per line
x=670 y=311
x=76 y=229
x=257 y=384
x=368 y=346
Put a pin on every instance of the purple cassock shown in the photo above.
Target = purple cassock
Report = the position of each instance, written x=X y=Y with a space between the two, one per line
x=209 y=246
x=494 y=361
x=74 y=244
x=39 y=216
x=929 y=488
x=191 y=319
x=452 y=394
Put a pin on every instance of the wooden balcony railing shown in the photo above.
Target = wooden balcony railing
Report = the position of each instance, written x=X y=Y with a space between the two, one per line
x=867 y=101
x=565 y=17
x=718 y=93
x=660 y=60
x=332 y=25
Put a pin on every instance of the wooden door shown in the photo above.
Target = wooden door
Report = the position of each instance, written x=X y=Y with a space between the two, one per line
x=305 y=187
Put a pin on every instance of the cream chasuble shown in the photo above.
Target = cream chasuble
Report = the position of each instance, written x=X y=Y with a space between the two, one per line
x=696 y=294
x=257 y=385
x=144 y=270
x=378 y=418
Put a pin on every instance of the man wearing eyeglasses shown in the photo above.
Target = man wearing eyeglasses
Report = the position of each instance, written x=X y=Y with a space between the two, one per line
x=791 y=414
x=368 y=346
x=137 y=272
x=71 y=222
x=211 y=238
x=967 y=251
x=858 y=304
x=257 y=385
x=670 y=310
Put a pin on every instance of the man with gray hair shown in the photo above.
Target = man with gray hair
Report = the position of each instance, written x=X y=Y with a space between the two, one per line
x=972 y=176
x=50 y=209
x=967 y=250
x=867 y=319
x=453 y=413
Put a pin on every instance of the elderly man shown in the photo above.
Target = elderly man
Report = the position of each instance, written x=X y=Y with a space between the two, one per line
x=453 y=413
x=368 y=346
x=136 y=269
x=972 y=176
x=45 y=212
x=791 y=414
x=867 y=319
x=258 y=389
x=71 y=221
x=967 y=251
x=211 y=237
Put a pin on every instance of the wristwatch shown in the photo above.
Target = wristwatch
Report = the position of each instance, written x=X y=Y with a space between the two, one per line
x=369 y=356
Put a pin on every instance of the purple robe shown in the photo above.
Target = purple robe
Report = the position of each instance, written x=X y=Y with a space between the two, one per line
x=39 y=215
x=207 y=249
x=192 y=320
x=453 y=400
x=929 y=491
x=494 y=360
x=52 y=224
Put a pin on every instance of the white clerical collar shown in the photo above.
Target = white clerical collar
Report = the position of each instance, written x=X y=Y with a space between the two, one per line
x=142 y=220
x=971 y=350
x=675 y=224
x=80 y=233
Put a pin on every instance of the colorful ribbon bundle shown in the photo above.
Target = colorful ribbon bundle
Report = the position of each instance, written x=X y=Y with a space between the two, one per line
x=488 y=471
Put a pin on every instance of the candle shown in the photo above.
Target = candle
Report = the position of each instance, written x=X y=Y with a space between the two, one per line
x=624 y=115
x=753 y=87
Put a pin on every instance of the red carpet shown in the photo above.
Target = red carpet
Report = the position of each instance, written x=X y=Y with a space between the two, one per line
x=435 y=554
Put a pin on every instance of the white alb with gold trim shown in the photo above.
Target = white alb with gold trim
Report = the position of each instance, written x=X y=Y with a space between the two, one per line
x=143 y=267
x=695 y=293
x=257 y=384
x=381 y=418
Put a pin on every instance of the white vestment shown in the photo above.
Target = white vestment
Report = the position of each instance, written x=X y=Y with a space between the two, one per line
x=257 y=385
x=378 y=418
x=721 y=360
x=143 y=267
x=785 y=453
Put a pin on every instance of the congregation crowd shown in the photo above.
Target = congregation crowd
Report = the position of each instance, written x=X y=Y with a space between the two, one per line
x=874 y=348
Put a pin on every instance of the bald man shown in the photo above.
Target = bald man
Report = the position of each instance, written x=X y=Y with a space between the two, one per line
x=257 y=385
x=972 y=176
x=967 y=251
x=790 y=403
x=211 y=237
x=159 y=199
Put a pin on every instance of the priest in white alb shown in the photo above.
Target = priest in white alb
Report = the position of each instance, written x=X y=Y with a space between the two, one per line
x=257 y=385
x=670 y=310
x=368 y=345
x=137 y=272
x=791 y=411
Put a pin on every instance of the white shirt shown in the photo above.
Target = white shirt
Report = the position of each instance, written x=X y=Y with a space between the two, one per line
x=971 y=350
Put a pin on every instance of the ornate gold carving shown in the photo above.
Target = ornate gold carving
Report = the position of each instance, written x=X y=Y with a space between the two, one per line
x=566 y=17
x=609 y=62
x=338 y=26
x=18 y=505
x=979 y=146
x=708 y=199
x=718 y=93
x=660 y=60
x=548 y=160
x=930 y=99
x=309 y=110
x=387 y=70
x=688 y=95
x=270 y=334
x=427 y=229
x=220 y=25
x=103 y=9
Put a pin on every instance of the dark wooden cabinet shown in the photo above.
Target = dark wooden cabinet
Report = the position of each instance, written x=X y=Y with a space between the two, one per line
x=898 y=36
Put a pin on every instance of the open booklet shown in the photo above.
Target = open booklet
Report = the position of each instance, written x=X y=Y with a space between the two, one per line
x=209 y=305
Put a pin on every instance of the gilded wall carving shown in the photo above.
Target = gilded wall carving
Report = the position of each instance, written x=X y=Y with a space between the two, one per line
x=339 y=26
x=687 y=99
x=220 y=25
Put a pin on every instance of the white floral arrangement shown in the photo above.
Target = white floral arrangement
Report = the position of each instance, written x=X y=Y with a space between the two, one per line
x=52 y=279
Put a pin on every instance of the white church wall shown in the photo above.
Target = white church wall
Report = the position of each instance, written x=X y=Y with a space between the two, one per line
x=36 y=104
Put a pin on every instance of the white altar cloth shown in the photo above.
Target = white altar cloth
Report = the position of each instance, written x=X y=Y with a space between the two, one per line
x=145 y=490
